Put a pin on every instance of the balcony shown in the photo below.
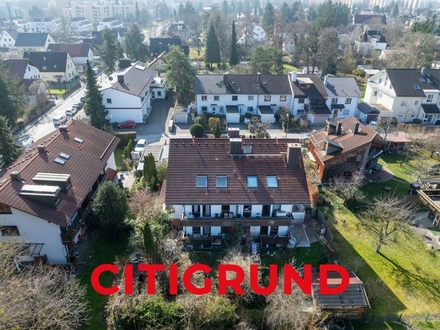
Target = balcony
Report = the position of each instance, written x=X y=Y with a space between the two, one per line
x=227 y=222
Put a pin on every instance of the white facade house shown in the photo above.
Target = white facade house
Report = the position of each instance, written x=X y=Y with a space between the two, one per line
x=46 y=194
x=53 y=66
x=289 y=45
x=343 y=96
x=405 y=94
x=158 y=88
x=7 y=38
x=46 y=25
x=109 y=23
x=32 y=42
x=126 y=93
x=80 y=25
x=371 y=40
x=258 y=35
x=79 y=53
x=23 y=68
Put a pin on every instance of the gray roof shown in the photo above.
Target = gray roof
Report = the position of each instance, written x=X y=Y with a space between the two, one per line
x=368 y=34
x=31 y=39
x=342 y=87
x=319 y=109
x=12 y=32
x=48 y=61
x=317 y=89
x=136 y=79
x=430 y=108
x=405 y=80
x=241 y=84
x=367 y=109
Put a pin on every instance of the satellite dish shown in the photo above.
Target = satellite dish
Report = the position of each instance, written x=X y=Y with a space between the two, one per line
x=110 y=78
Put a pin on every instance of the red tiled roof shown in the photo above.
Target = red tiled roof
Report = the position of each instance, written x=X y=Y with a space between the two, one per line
x=210 y=157
x=84 y=166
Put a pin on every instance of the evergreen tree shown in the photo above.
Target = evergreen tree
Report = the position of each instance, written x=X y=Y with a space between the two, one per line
x=233 y=53
x=93 y=105
x=225 y=6
x=212 y=51
x=150 y=171
x=108 y=52
x=13 y=98
x=267 y=60
x=9 y=151
x=135 y=48
x=119 y=51
x=180 y=74
x=268 y=19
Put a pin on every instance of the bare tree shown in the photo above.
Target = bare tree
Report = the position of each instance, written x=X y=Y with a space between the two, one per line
x=195 y=26
x=348 y=188
x=421 y=167
x=374 y=289
x=388 y=214
x=431 y=142
x=259 y=128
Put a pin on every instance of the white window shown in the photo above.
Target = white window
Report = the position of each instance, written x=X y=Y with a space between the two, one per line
x=216 y=97
x=222 y=182
x=403 y=104
x=375 y=93
x=250 y=98
x=429 y=97
x=9 y=231
x=202 y=181
x=334 y=100
x=272 y=181
x=348 y=100
x=234 y=98
x=267 y=98
x=283 y=98
x=252 y=181
x=204 y=97
x=416 y=103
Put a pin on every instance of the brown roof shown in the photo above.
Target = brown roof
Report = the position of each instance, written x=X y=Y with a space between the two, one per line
x=74 y=50
x=17 y=66
x=210 y=157
x=347 y=140
x=86 y=161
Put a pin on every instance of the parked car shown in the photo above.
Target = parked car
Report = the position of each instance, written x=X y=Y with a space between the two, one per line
x=140 y=146
x=78 y=105
x=127 y=124
x=59 y=120
x=70 y=112
x=82 y=99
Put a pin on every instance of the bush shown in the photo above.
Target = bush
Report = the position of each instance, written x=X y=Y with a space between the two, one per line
x=125 y=137
x=437 y=122
x=196 y=130
x=417 y=121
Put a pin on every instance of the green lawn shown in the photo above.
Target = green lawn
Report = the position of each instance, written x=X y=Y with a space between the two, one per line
x=289 y=68
x=362 y=89
x=119 y=156
x=396 y=326
x=405 y=265
x=104 y=251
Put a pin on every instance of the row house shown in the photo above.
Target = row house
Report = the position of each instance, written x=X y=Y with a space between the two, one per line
x=109 y=23
x=257 y=184
x=45 y=25
x=79 y=25
x=46 y=194
x=79 y=53
x=344 y=147
x=403 y=95
x=342 y=96
x=54 y=66
x=32 y=42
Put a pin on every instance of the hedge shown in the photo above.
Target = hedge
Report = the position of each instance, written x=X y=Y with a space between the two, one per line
x=125 y=137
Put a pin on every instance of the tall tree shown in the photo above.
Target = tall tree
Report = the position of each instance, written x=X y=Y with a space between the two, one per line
x=149 y=171
x=225 y=7
x=268 y=20
x=233 y=53
x=9 y=151
x=108 y=52
x=135 y=48
x=195 y=26
x=297 y=12
x=35 y=12
x=13 y=98
x=221 y=27
x=267 y=60
x=93 y=105
x=328 y=43
x=110 y=208
x=180 y=74
x=212 y=50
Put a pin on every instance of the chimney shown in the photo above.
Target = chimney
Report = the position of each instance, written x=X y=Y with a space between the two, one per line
x=120 y=78
x=41 y=148
x=356 y=128
x=124 y=63
x=15 y=176
x=325 y=80
x=305 y=70
x=225 y=78
x=258 y=78
x=330 y=127
x=63 y=128
x=293 y=154
x=339 y=128
x=423 y=71
x=233 y=132
x=235 y=146
x=294 y=73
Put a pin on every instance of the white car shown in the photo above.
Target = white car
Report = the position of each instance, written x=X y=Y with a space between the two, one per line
x=70 y=112
x=59 y=120
x=140 y=146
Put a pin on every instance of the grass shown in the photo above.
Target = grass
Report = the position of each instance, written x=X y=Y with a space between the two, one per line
x=104 y=251
x=405 y=265
x=362 y=89
x=119 y=156
x=434 y=230
x=289 y=68
x=397 y=326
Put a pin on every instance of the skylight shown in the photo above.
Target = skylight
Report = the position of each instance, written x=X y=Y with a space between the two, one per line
x=139 y=67
x=422 y=79
x=252 y=181
x=272 y=181
x=222 y=182
x=78 y=140
x=59 y=161
x=202 y=181
x=417 y=87
x=63 y=155
x=247 y=149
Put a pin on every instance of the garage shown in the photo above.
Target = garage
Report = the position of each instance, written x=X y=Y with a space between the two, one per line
x=232 y=114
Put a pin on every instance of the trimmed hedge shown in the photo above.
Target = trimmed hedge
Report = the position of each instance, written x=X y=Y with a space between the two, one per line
x=125 y=137
x=197 y=130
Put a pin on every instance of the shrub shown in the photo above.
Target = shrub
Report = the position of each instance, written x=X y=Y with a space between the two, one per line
x=417 y=121
x=125 y=137
x=437 y=122
x=196 y=130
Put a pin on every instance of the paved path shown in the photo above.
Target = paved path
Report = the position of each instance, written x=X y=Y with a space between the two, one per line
x=427 y=236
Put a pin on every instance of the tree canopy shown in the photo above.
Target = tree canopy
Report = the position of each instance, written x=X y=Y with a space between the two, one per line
x=233 y=52
x=108 y=52
x=267 y=60
x=268 y=19
x=212 y=49
x=9 y=151
x=93 y=104
x=135 y=48
x=13 y=98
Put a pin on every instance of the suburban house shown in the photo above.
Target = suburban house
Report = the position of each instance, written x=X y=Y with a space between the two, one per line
x=53 y=66
x=343 y=96
x=309 y=97
x=33 y=42
x=371 y=40
x=362 y=19
x=24 y=69
x=158 y=88
x=259 y=184
x=236 y=95
x=160 y=45
x=344 y=147
x=258 y=35
x=288 y=45
x=159 y=63
x=405 y=94
x=8 y=38
x=126 y=92
x=79 y=25
x=179 y=30
x=109 y=23
x=79 y=53
x=46 y=194
x=351 y=304
x=47 y=25
x=367 y=113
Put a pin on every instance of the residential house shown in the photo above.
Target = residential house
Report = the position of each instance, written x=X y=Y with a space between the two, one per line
x=405 y=94
x=8 y=38
x=24 y=69
x=79 y=25
x=309 y=97
x=159 y=63
x=371 y=40
x=53 y=66
x=22 y=25
x=258 y=35
x=343 y=96
x=79 y=53
x=33 y=42
x=179 y=30
x=367 y=113
x=46 y=194
x=288 y=45
x=109 y=23
x=351 y=304
x=363 y=19
x=259 y=184
x=95 y=12
x=160 y=45
x=342 y=148
x=126 y=93
x=97 y=39
x=46 y=25
x=236 y=95
x=158 y=88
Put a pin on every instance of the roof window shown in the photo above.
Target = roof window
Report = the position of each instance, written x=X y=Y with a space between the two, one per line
x=202 y=181
x=222 y=182
x=272 y=181
x=252 y=181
